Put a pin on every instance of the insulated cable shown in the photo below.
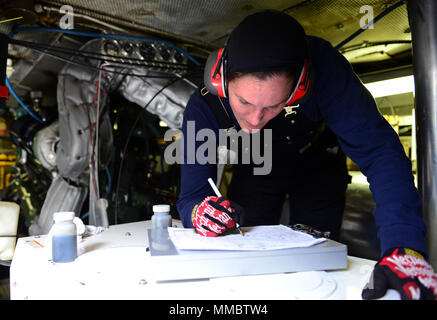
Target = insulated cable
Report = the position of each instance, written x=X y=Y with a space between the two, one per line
x=79 y=33
x=105 y=36
x=66 y=60
x=123 y=154
x=98 y=55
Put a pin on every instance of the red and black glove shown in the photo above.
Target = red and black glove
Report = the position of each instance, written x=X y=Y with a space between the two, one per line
x=407 y=272
x=214 y=215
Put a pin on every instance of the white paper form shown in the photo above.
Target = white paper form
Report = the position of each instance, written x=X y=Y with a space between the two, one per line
x=255 y=238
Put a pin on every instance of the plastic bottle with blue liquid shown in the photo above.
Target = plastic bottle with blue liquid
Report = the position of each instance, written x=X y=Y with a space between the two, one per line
x=64 y=237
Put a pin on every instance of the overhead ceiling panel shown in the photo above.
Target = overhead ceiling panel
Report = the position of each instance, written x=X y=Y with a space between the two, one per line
x=206 y=24
x=211 y=21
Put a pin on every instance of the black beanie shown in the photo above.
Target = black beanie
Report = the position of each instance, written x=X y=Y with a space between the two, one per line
x=266 y=41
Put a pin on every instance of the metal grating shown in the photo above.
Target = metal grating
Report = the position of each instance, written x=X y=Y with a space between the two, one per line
x=205 y=24
x=211 y=21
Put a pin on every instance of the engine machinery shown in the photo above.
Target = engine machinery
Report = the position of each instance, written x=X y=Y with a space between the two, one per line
x=110 y=91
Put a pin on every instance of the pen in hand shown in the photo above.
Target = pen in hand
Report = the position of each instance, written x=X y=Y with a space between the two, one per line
x=218 y=194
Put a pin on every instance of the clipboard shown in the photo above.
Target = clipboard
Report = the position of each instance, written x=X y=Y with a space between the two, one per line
x=169 y=263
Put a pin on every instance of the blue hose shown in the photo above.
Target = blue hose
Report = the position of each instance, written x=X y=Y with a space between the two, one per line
x=11 y=90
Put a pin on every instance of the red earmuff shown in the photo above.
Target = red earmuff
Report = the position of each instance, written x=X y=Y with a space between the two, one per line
x=302 y=86
x=216 y=83
x=215 y=73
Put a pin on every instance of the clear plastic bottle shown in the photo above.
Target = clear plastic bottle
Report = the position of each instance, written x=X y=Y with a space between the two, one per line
x=64 y=237
x=161 y=220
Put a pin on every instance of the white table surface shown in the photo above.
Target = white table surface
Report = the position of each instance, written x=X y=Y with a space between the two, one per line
x=114 y=264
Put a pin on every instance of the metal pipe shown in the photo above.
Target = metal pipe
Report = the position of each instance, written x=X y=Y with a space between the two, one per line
x=83 y=16
x=422 y=15
x=109 y=18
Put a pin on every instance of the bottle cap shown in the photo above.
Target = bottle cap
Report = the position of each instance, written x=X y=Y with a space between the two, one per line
x=63 y=216
x=161 y=208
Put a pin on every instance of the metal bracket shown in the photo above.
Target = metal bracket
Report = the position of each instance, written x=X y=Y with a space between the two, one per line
x=311 y=231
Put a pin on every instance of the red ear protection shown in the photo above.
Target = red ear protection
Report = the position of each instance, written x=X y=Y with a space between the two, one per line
x=214 y=75
x=215 y=78
x=302 y=87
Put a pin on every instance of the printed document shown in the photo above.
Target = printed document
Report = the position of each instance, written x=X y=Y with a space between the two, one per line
x=255 y=238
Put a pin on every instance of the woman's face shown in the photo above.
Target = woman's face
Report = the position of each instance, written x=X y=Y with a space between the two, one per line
x=255 y=102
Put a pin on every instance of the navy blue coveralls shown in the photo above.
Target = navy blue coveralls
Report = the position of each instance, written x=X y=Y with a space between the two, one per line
x=316 y=179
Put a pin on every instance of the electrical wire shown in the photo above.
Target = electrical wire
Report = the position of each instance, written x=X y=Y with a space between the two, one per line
x=27 y=109
x=94 y=67
x=108 y=188
x=123 y=154
x=94 y=140
x=37 y=47
x=105 y=36
x=98 y=56
x=129 y=136
x=102 y=111
x=91 y=128
x=94 y=150
x=46 y=48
